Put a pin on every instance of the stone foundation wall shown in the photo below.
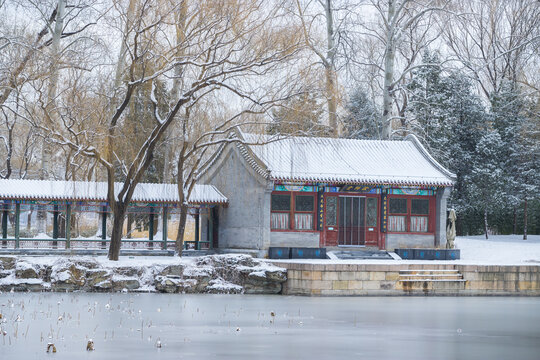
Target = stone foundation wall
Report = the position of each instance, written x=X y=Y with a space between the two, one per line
x=373 y=279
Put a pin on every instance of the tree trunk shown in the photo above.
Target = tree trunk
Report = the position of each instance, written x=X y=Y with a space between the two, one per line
x=29 y=221
x=51 y=95
x=119 y=216
x=55 y=50
x=9 y=167
x=330 y=71
x=181 y=230
x=129 y=225
x=389 y=59
x=53 y=81
x=61 y=227
x=122 y=54
x=181 y=195
x=486 y=222
x=459 y=227
x=525 y=221
x=331 y=99
x=514 y=227
x=181 y=18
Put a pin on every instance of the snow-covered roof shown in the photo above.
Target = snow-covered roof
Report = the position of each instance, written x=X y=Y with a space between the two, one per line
x=332 y=160
x=205 y=194
x=97 y=191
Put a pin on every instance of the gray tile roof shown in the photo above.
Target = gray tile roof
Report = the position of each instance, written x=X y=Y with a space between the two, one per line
x=97 y=191
x=332 y=160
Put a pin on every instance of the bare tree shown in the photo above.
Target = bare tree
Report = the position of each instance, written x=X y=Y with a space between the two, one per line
x=18 y=143
x=228 y=50
x=20 y=49
x=327 y=51
x=389 y=41
x=497 y=42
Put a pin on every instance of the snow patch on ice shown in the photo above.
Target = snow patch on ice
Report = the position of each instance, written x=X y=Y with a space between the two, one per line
x=261 y=273
x=12 y=280
x=223 y=286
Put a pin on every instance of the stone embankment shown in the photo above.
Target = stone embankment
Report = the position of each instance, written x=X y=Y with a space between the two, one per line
x=410 y=279
x=207 y=274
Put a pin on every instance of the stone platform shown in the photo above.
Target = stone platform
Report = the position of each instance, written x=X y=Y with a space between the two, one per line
x=410 y=279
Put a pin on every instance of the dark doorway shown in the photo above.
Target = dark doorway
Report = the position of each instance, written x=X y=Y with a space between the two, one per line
x=214 y=220
x=352 y=221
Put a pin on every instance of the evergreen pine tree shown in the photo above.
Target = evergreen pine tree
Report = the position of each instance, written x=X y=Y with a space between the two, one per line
x=513 y=118
x=363 y=119
x=450 y=120
x=488 y=185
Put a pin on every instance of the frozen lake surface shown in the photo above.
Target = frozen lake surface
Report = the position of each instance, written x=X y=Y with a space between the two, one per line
x=127 y=326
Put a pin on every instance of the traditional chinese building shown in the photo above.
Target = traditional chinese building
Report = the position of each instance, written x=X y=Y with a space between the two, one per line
x=327 y=192
x=60 y=201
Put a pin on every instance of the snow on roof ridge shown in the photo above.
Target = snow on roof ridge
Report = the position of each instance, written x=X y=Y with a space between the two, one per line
x=414 y=139
x=346 y=160
x=97 y=191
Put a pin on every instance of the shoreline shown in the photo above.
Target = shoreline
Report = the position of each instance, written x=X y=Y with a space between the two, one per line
x=242 y=274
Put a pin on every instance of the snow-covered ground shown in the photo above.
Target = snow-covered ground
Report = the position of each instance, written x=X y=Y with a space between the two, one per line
x=475 y=250
x=500 y=249
x=497 y=250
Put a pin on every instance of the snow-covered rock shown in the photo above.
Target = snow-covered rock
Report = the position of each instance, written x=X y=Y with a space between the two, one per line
x=99 y=279
x=67 y=275
x=7 y=262
x=175 y=284
x=219 y=286
x=177 y=270
x=119 y=283
x=25 y=270
x=207 y=274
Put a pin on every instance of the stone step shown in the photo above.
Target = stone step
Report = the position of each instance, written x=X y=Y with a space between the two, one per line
x=432 y=280
x=430 y=272
x=433 y=276
x=430 y=275
x=457 y=278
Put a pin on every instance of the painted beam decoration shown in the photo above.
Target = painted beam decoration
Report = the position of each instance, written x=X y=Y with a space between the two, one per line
x=364 y=189
x=295 y=187
x=320 y=210
x=409 y=190
x=384 y=212
x=331 y=189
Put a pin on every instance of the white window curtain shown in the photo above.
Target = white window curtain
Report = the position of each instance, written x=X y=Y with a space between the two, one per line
x=280 y=221
x=419 y=223
x=397 y=223
x=303 y=221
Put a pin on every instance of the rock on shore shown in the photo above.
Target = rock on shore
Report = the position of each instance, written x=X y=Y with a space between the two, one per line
x=207 y=274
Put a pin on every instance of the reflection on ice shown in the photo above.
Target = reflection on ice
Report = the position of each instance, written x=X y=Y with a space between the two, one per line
x=146 y=326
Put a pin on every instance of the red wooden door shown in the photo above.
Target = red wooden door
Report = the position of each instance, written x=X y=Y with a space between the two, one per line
x=352 y=221
x=330 y=220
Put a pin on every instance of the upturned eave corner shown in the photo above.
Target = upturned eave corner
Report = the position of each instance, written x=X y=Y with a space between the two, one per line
x=414 y=139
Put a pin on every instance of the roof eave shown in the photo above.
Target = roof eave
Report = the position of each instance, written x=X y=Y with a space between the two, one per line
x=363 y=181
